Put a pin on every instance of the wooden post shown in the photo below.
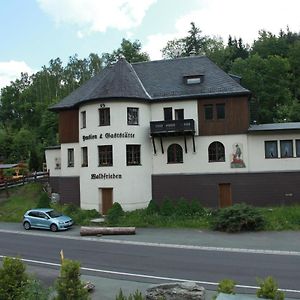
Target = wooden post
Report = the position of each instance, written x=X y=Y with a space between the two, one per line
x=62 y=255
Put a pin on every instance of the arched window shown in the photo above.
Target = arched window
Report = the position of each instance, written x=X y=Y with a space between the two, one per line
x=175 y=155
x=216 y=152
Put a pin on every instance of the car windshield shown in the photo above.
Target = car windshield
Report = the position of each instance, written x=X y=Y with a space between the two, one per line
x=54 y=214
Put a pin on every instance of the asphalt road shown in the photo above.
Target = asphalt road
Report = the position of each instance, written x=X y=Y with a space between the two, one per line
x=137 y=262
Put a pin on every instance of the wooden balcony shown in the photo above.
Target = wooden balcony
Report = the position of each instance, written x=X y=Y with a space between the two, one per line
x=172 y=127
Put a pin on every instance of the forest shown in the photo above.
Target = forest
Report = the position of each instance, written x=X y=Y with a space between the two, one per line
x=269 y=68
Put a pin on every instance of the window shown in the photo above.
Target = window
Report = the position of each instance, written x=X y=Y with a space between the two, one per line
x=105 y=155
x=286 y=148
x=168 y=114
x=71 y=157
x=133 y=155
x=216 y=152
x=132 y=116
x=83 y=119
x=208 y=111
x=84 y=156
x=104 y=116
x=271 y=150
x=298 y=148
x=175 y=154
x=179 y=114
x=34 y=214
x=220 y=111
x=193 y=79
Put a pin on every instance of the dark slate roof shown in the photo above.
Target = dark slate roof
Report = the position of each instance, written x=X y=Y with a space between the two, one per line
x=155 y=80
x=274 y=127
x=116 y=81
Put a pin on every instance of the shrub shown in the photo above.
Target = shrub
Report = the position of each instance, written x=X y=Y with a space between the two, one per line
x=70 y=209
x=268 y=289
x=167 y=208
x=136 y=296
x=34 y=290
x=182 y=207
x=44 y=201
x=226 y=286
x=13 y=279
x=152 y=208
x=84 y=217
x=239 y=217
x=115 y=213
x=196 y=208
x=69 y=286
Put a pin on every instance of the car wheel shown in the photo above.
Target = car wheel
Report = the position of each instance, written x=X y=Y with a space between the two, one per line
x=26 y=225
x=53 y=227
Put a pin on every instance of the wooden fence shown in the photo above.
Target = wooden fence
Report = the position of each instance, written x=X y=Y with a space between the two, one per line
x=35 y=177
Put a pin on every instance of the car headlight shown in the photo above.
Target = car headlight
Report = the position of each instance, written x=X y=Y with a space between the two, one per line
x=61 y=223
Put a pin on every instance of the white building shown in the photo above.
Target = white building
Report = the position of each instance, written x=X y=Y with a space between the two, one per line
x=169 y=129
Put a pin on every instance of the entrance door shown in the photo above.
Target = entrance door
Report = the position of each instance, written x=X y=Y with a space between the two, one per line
x=225 y=195
x=107 y=200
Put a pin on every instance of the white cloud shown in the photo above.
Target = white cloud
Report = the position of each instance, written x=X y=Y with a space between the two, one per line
x=11 y=70
x=97 y=16
x=238 y=18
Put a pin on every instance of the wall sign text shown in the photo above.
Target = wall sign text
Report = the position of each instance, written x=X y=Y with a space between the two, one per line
x=109 y=135
x=106 y=176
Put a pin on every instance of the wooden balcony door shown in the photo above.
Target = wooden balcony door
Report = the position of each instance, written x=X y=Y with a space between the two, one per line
x=225 y=195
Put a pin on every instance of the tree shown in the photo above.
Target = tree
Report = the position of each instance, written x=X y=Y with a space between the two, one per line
x=268 y=79
x=270 y=44
x=197 y=44
x=13 y=279
x=130 y=50
x=193 y=44
x=294 y=60
x=68 y=285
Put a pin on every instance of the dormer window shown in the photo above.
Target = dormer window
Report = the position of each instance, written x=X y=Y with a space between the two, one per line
x=193 y=79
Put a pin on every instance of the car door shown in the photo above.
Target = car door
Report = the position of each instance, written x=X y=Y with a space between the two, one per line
x=43 y=220
x=33 y=217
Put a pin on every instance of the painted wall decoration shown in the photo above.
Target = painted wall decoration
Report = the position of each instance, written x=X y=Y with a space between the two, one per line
x=57 y=163
x=237 y=156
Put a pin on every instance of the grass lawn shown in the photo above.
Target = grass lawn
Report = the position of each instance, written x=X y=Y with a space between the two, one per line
x=20 y=200
x=26 y=197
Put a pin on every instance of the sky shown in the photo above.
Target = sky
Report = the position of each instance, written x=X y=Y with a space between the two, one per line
x=32 y=32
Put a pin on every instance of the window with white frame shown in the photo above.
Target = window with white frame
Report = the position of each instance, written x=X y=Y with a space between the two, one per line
x=104 y=116
x=179 y=114
x=216 y=152
x=105 y=155
x=83 y=119
x=132 y=116
x=271 y=149
x=133 y=155
x=84 y=156
x=175 y=154
x=286 y=148
x=298 y=148
x=71 y=157
x=168 y=116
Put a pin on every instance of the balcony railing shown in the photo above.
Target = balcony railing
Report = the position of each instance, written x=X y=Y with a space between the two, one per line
x=172 y=127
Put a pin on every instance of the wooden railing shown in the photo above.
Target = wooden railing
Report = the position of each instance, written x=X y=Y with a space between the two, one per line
x=172 y=127
x=21 y=180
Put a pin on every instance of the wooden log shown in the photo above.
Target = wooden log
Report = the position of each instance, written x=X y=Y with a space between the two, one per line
x=84 y=231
